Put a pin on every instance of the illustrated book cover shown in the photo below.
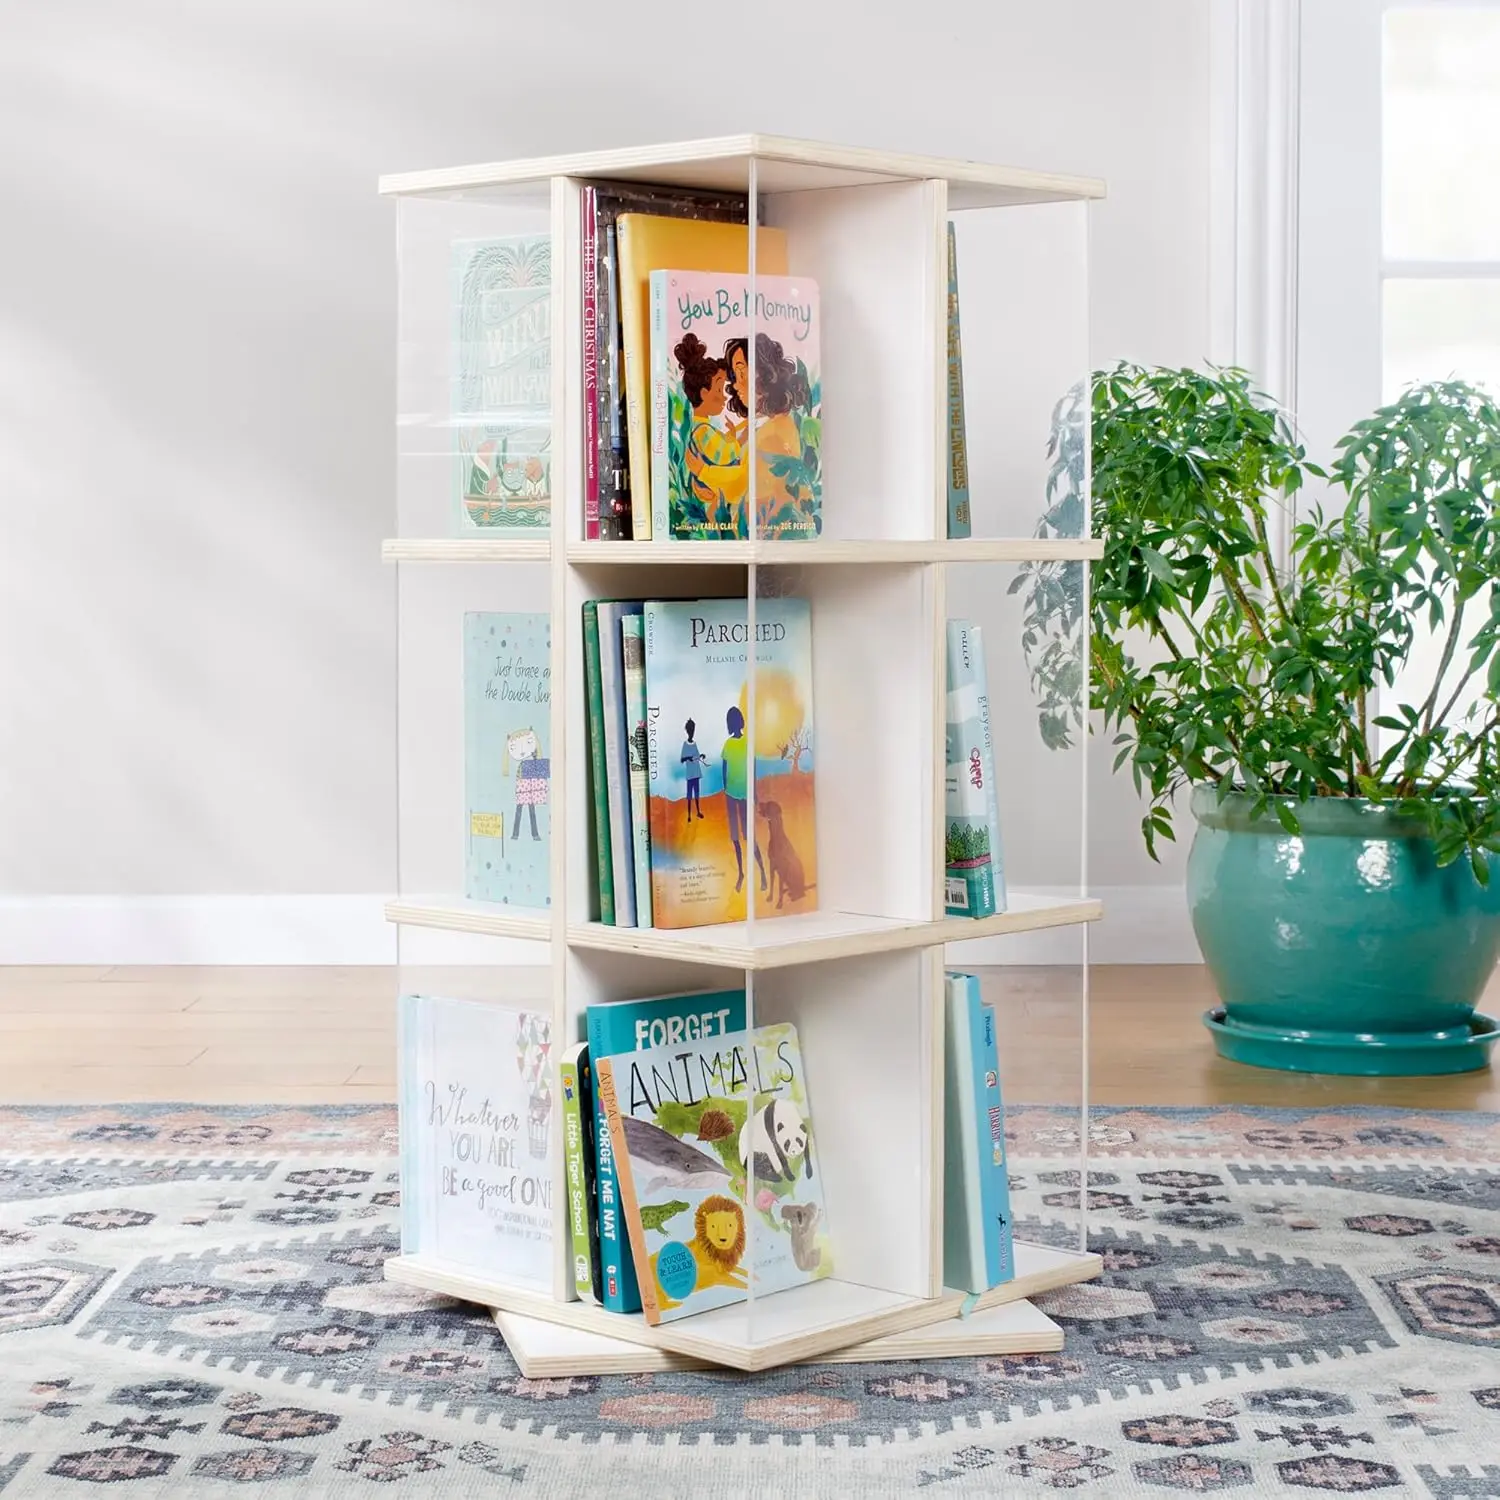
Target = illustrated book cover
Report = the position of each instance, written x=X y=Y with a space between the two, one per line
x=651 y=242
x=1000 y=1240
x=507 y=769
x=701 y=426
x=501 y=402
x=706 y=858
x=969 y=871
x=637 y=1026
x=720 y=1184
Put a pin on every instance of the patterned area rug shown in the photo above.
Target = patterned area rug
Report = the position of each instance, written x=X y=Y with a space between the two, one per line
x=191 y=1303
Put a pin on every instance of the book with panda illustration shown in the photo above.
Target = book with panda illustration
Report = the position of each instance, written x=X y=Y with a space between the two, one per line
x=720 y=1182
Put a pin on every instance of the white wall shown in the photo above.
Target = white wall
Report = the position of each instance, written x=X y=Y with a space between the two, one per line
x=196 y=378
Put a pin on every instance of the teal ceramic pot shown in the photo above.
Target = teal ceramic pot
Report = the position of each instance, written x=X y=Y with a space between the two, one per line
x=1343 y=949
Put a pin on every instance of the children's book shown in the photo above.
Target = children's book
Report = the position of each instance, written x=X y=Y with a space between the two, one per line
x=647 y=243
x=1000 y=1240
x=720 y=1185
x=969 y=877
x=632 y=648
x=636 y=1026
x=501 y=401
x=598 y=770
x=959 y=522
x=576 y=1078
x=706 y=858
x=617 y=754
x=507 y=769
x=991 y=777
x=701 y=428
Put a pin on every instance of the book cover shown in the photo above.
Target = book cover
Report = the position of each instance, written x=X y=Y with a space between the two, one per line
x=1000 y=1239
x=969 y=879
x=633 y=651
x=965 y=1265
x=617 y=754
x=991 y=778
x=507 y=770
x=598 y=772
x=705 y=856
x=720 y=1186
x=477 y=1147
x=701 y=428
x=649 y=242
x=501 y=398
x=633 y=1026
x=576 y=1079
x=959 y=522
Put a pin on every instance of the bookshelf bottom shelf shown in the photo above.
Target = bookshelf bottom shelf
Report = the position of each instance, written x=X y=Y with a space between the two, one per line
x=792 y=1326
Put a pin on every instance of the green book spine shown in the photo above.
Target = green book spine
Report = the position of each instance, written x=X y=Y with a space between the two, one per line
x=958 y=448
x=598 y=778
x=633 y=649
x=578 y=1208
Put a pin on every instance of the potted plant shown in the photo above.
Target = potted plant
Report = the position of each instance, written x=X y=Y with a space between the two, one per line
x=1341 y=878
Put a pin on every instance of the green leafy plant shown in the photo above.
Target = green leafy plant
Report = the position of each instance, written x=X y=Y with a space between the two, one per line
x=1214 y=665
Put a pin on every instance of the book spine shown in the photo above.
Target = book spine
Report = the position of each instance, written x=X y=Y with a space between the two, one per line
x=1000 y=1239
x=617 y=767
x=629 y=1207
x=598 y=771
x=963 y=1228
x=578 y=1221
x=959 y=523
x=637 y=434
x=590 y=365
x=633 y=644
x=968 y=875
x=590 y=1185
x=660 y=464
x=616 y=1286
x=614 y=478
x=991 y=782
x=973 y=1008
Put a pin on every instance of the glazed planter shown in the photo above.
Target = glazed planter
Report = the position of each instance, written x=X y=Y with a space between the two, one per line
x=1343 y=949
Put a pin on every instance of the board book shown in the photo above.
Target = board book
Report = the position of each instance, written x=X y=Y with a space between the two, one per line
x=720 y=1186
x=631 y=1026
x=705 y=856
x=702 y=323
x=501 y=397
x=507 y=767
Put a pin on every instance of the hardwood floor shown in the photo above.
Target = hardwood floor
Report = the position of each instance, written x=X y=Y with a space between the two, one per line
x=315 y=1035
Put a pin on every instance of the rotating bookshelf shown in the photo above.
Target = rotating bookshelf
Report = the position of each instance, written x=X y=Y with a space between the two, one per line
x=861 y=976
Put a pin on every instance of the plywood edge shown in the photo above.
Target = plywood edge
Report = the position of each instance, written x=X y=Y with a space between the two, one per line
x=466 y=549
x=849 y=553
x=458 y=919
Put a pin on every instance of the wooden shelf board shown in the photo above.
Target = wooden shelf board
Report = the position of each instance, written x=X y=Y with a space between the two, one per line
x=454 y=914
x=544 y=1349
x=835 y=553
x=782 y=165
x=466 y=549
x=787 y=1328
x=814 y=937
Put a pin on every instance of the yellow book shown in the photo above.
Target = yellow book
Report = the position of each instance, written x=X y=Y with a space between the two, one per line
x=649 y=243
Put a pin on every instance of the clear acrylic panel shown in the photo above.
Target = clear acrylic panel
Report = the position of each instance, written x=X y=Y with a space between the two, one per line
x=1446 y=329
x=1441 y=146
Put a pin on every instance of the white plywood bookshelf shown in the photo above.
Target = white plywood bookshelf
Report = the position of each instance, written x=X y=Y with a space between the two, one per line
x=861 y=977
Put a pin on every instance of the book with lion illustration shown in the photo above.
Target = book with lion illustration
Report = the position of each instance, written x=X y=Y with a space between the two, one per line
x=713 y=845
x=702 y=323
x=720 y=1183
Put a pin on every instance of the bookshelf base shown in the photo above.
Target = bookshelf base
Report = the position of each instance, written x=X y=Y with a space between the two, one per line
x=788 y=1328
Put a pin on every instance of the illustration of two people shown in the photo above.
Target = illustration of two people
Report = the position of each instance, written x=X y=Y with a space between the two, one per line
x=736 y=787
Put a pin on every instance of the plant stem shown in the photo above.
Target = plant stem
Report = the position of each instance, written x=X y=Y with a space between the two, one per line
x=1263 y=537
x=1252 y=616
x=1449 y=647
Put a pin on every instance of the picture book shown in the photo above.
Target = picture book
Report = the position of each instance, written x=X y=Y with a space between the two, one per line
x=1000 y=1240
x=507 y=770
x=720 y=1186
x=991 y=777
x=576 y=1078
x=969 y=877
x=706 y=857
x=702 y=433
x=959 y=521
x=633 y=650
x=636 y=1026
x=965 y=1266
x=617 y=755
x=477 y=1147
x=501 y=399
x=651 y=242
x=598 y=771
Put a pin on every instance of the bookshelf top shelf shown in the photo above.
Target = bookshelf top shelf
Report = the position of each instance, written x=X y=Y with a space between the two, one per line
x=783 y=165
x=820 y=553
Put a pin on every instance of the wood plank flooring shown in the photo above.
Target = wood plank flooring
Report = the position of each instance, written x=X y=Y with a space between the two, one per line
x=327 y=1035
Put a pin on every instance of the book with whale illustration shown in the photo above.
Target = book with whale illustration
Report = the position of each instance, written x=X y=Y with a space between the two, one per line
x=720 y=1185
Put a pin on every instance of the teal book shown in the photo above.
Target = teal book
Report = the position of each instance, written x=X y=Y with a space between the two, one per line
x=965 y=1265
x=999 y=1235
x=598 y=773
x=969 y=874
x=501 y=383
x=721 y=1188
x=991 y=776
x=633 y=650
x=635 y=1026
x=507 y=768
x=959 y=521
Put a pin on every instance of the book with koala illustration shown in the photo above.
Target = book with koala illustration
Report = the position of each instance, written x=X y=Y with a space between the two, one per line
x=720 y=1185
x=712 y=845
x=507 y=769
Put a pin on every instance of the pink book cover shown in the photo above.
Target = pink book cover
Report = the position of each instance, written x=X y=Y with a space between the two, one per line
x=590 y=366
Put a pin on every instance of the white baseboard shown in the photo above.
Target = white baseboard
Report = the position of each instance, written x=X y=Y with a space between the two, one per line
x=1142 y=925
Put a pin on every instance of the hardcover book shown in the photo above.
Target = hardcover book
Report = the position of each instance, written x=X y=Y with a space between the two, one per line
x=616 y=733
x=969 y=876
x=502 y=383
x=576 y=1078
x=633 y=1026
x=991 y=779
x=598 y=768
x=507 y=770
x=720 y=1185
x=701 y=427
x=705 y=855
x=1000 y=1240
x=959 y=522
x=633 y=650
x=649 y=242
